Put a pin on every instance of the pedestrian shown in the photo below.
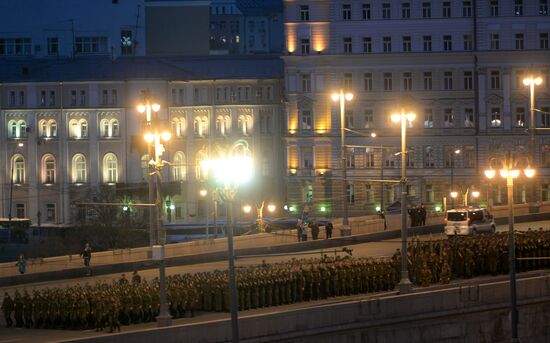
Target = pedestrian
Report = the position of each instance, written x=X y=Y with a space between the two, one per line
x=328 y=230
x=305 y=229
x=383 y=217
x=21 y=264
x=7 y=307
x=422 y=214
x=299 y=229
x=87 y=256
x=314 y=230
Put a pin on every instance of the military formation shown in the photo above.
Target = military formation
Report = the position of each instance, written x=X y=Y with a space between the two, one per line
x=125 y=301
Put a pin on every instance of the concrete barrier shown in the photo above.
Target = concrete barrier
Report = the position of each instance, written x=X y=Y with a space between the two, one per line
x=460 y=313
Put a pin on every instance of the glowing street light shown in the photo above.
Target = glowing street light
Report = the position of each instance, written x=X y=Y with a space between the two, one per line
x=247 y=208
x=532 y=81
x=271 y=208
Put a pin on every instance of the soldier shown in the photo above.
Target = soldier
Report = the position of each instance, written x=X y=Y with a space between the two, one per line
x=18 y=309
x=136 y=278
x=328 y=230
x=27 y=309
x=7 y=307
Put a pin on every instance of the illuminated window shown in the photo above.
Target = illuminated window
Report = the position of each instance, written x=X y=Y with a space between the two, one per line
x=48 y=169
x=110 y=168
x=18 y=166
x=79 y=169
x=179 y=168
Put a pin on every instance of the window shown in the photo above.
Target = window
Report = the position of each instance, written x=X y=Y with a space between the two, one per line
x=407 y=81
x=21 y=98
x=304 y=13
x=545 y=117
x=114 y=97
x=519 y=41
x=518 y=7
x=79 y=170
x=448 y=117
x=496 y=120
x=306 y=83
x=47 y=128
x=543 y=40
x=428 y=193
x=110 y=168
x=545 y=189
x=406 y=43
x=388 y=82
x=348 y=47
x=48 y=169
x=429 y=157
x=350 y=158
x=520 y=117
x=428 y=81
x=244 y=124
x=348 y=81
x=51 y=98
x=386 y=47
x=389 y=159
x=468 y=43
x=369 y=119
x=307 y=121
x=427 y=42
x=543 y=7
x=468 y=80
x=426 y=10
x=223 y=125
x=348 y=117
x=179 y=125
x=409 y=157
x=545 y=158
x=366 y=12
x=126 y=43
x=82 y=98
x=367 y=44
x=20 y=210
x=18 y=165
x=50 y=212
x=386 y=11
x=304 y=44
x=369 y=158
x=468 y=117
x=307 y=157
x=78 y=128
x=495 y=42
x=494 y=8
x=495 y=79
x=109 y=128
x=350 y=192
x=369 y=194
x=446 y=9
x=145 y=167
x=367 y=82
x=73 y=97
x=91 y=45
x=448 y=80
x=447 y=43
x=428 y=118
x=469 y=157
x=42 y=98
x=12 y=98
x=405 y=10
x=466 y=8
x=179 y=168
x=346 y=12
x=17 y=128
x=15 y=46
x=520 y=74
x=53 y=46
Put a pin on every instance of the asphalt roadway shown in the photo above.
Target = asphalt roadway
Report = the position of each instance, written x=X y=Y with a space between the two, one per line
x=382 y=249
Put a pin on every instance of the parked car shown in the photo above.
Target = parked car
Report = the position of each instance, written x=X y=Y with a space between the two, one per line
x=469 y=221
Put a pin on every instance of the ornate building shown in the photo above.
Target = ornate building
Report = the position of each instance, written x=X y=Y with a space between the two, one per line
x=459 y=65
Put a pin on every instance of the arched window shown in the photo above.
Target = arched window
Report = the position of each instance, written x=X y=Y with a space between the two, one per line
x=110 y=168
x=199 y=173
x=197 y=127
x=48 y=169
x=104 y=125
x=12 y=125
x=178 y=126
x=109 y=128
x=114 y=128
x=18 y=165
x=48 y=128
x=245 y=124
x=145 y=167
x=52 y=124
x=22 y=126
x=79 y=169
x=78 y=128
x=204 y=124
x=178 y=167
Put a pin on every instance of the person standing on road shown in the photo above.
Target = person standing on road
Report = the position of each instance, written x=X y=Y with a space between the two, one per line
x=299 y=229
x=21 y=264
x=422 y=214
x=314 y=230
x=87 y=256
x=328 y=230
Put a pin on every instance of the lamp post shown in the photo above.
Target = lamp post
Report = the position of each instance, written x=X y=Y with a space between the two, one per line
x=532 y=81
x=342 y=98
x=405 y=285
x=233 y=167
x=18 y=145
x=203 y=193
x=154 y=136
x=475 y=195
x=510 y=168
x=452 y=162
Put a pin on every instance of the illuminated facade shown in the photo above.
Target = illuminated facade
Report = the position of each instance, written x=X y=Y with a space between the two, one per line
x=85 y=133
x=458 y=65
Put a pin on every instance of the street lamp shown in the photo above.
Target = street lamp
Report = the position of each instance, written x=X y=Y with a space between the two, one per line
x=532 y=81
x=452 y=162
x=342 y=98
x=154 y=136
x=510 y=168
x=18 y=145
x=233 y=167
x=404 y=285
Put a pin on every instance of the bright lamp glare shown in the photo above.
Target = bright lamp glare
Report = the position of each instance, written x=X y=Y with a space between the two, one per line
x=503 y=173
x=349 y=96
x=490 y=173
x=411 y=117
x=529 y=172
x=234 y=170
x=271 y=208
x=538 y=81
x=475 y=194
x=149 y=137
x=457 y=151
x=166 y=136
x=454 y=194
x=514 y=173
x=155 y=107
x=203 y=192
x=247 y=208
x=396 y=118
x=373 y=134
x=527 y=81
x=335 y=96
x=141 y=108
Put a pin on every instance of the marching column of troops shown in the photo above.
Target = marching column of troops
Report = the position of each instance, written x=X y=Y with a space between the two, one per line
x=123 y=302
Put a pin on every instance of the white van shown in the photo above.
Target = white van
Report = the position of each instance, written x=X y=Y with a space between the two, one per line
x=468 y=221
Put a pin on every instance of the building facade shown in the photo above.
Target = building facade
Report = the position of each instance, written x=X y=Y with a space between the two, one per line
x=458 y=65
x=63 y=141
